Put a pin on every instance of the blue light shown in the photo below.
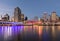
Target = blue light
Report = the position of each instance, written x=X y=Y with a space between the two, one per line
x=7 y=31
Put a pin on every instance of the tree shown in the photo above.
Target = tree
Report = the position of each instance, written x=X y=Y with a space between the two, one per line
x=26 y=18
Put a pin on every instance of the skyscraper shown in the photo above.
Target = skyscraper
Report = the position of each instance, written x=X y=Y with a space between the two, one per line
x=53 y=16
x=17 y=14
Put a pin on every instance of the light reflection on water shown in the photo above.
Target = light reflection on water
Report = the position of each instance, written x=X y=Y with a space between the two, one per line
x=32 y=33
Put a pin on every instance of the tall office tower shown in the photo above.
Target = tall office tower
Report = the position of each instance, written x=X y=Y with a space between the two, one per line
x=17 y=14
x=53 y=16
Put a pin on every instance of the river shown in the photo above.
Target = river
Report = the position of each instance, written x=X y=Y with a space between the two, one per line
x=30 y=33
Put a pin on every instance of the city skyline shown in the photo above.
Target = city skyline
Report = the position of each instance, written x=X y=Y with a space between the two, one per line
x=30 y=8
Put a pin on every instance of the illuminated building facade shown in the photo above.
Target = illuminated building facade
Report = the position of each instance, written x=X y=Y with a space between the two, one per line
x=18 y=16
x=17 y=13
x=54 y=17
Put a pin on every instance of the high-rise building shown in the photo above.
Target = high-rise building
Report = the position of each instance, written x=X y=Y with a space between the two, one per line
x=17 y=13
x=18 y=16
x=53 y=16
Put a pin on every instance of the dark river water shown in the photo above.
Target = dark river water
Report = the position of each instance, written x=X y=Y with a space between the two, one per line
x=30 y=33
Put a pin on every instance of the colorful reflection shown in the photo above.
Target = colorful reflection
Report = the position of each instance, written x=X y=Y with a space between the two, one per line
x=14 y=30
x=44 y=33
x=58 y=28
x=53 y=31
x=40 y=30
x=9 y=31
